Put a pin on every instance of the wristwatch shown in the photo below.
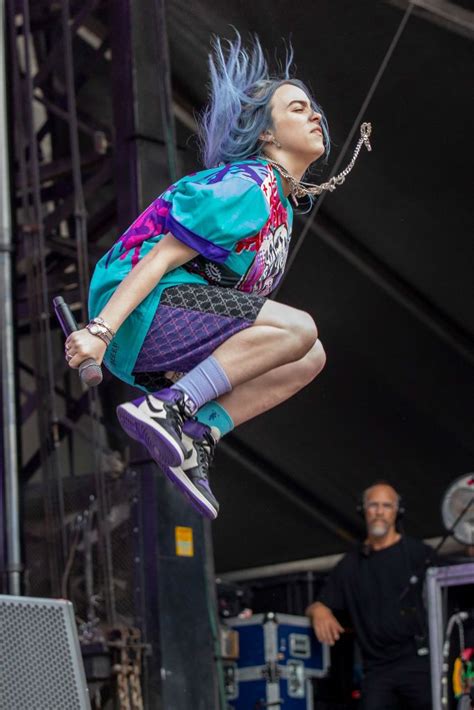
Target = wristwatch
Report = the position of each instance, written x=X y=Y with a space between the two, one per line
x=100 y=321
x=101 y=331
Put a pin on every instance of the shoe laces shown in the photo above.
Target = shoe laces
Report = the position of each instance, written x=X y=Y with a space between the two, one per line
x=205 y=452
x=179 y=414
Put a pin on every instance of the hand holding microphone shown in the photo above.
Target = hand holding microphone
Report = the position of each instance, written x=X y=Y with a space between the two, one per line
x=89 y=369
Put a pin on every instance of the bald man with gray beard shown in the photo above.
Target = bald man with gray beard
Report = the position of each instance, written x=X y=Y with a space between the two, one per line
x=372 y=585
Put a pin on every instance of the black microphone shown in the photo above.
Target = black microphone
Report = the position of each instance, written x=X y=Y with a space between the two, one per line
x=89 y=371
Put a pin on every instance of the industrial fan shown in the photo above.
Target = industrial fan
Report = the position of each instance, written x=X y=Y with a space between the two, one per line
x=457 y=509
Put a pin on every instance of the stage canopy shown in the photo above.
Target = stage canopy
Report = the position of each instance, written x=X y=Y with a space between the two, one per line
x=386 y=268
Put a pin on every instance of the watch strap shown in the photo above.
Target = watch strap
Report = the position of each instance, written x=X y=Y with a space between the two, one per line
x=102 y=322
x=99 y=331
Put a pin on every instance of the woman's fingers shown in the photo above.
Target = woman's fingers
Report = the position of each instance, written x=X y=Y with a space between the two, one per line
x=75 y=337
x=71 y=347
x=75 y=361
x=82 y=345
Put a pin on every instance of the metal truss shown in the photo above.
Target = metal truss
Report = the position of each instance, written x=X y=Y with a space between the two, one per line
x=64 y=203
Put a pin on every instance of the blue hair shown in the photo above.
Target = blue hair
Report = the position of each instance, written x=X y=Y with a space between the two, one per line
x=238 y=110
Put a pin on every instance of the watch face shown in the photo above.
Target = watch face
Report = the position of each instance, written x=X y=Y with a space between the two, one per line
x=94 y=329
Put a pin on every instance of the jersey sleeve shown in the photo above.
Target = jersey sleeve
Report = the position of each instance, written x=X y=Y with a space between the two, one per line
x=213 y=218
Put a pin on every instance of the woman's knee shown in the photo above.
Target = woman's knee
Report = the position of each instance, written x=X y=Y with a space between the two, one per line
x=298 y=325
x=304 y=330
x=312 y=363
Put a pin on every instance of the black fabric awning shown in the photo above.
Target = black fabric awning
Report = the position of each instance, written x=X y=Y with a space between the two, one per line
x=387 y=273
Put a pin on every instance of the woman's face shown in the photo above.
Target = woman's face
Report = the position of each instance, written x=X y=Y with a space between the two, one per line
x=295 y=124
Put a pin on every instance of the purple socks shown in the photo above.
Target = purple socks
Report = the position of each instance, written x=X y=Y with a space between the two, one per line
x=205 y=382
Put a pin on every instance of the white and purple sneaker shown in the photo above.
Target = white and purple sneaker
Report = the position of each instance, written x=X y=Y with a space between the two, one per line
x=156 y=421
x=182 y=447
x=192 y=476
x=201 y=445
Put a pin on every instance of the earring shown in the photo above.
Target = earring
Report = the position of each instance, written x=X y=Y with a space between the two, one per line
x=275 y=142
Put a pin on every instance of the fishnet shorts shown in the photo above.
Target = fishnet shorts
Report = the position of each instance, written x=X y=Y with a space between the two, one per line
x=189 y=324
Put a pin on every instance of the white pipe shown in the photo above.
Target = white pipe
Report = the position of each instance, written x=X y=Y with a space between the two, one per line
x=313 y=564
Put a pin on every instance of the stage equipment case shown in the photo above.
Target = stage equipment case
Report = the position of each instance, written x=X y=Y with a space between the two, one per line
x=279 y=656
x=438 y=579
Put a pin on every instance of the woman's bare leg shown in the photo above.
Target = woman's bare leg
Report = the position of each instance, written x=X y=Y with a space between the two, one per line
x=280 y=335
x=256 y=396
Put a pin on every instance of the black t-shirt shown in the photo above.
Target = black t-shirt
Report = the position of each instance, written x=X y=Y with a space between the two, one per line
x=387 y=612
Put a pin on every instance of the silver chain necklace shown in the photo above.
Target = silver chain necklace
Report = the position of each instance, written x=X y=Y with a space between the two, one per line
x=301 y=189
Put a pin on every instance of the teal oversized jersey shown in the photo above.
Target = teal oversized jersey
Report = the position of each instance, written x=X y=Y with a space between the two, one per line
x=235 y=216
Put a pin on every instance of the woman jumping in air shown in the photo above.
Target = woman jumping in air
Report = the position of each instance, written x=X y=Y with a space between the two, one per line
x=179 y=303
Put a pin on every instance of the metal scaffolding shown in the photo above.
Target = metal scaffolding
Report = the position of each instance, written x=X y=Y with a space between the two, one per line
x=59 y=158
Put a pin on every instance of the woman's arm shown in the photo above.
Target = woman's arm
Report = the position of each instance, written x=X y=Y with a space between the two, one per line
x=168 y=254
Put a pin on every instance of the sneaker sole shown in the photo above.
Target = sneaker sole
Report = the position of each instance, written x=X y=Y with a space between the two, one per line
x=161 y=445
x=199 y=502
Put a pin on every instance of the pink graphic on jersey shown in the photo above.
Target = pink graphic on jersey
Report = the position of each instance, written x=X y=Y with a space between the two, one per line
x=271 y=245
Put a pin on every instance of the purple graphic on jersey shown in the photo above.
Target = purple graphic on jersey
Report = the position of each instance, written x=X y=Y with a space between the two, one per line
x=151 y=223
x=238 y=169
x=158 y=219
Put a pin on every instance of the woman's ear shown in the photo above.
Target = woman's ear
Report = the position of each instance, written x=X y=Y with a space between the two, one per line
x=266 y=136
